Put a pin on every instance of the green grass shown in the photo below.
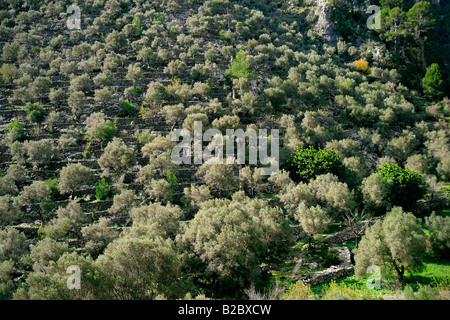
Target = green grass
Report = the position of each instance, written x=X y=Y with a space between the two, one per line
x=436 y=272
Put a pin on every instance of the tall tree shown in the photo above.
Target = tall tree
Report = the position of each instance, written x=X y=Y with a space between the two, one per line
x=420 y=21
x=394 y=26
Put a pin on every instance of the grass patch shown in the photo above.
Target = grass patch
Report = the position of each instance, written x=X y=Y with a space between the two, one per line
x=436 y=271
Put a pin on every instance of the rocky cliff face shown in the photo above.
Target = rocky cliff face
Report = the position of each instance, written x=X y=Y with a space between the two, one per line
x=324 y=26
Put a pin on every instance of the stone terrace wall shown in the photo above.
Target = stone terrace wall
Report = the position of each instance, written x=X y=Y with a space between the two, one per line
x=346 y=268
x=349 y=233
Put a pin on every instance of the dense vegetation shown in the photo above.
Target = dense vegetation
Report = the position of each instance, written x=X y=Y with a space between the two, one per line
x=87 y=179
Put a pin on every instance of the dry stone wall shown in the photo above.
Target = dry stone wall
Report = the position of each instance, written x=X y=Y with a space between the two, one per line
x=349 y=233
x=345 y=268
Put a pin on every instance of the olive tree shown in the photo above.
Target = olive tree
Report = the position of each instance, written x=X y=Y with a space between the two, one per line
x=81 y=84
x=443 y=168
x=163 y=220
x=134 y=73
x=76 y=102
x=74 y=176
x=195 y=195
x=102 y=96
x=40 y=153
x=397 y=243
x=313 y=219
x=13 y=249
x=123 y=203
x=231 y=238
x=68 y=222
x=325 y=191
x=141 y=267
x=40 y=88
x=98 y=235
x=46 y=250
x=116 y=158
x=98 y=128
x=225 y=238
x=37 y=192
x=439 y=228
x=218 y=177
x=159 y=190
x=50 y=281
x=154 y=97
x=8 y=185
x=251 y=180
x=8 y=211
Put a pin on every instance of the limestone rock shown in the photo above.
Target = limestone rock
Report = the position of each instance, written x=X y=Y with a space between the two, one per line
x=324 y=26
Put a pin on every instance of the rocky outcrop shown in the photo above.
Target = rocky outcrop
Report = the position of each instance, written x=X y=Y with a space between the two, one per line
x=324 y=26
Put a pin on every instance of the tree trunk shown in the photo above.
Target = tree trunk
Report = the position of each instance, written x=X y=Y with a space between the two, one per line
x=400 y=272
x=422 y=53
x=400 y=275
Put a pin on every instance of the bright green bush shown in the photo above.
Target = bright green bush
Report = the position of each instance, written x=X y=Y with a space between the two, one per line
x=126 y=108
x=102 y=190
x=15 y=131
x=342 y=291
x=433 y=82
x=298 y=291
x=406 y=186
x=308 y=163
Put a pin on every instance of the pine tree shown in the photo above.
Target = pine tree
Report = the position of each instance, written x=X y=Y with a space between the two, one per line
x=433 y=84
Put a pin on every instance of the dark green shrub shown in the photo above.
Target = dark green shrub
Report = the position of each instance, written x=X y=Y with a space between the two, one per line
x=108 y=131
x=240 y=67
x=126 y=108
x=9 y=23
x=35 y=111
x=172 y=180
x=102 y=190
